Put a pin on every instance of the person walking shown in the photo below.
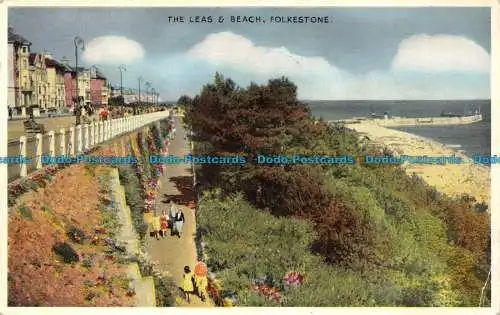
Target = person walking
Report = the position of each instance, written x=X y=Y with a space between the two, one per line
x=10 y=113
x=163 y=224
x=187 y=283
x=103 y=114
x=201 y=280
x=171 y=217
x=156 y=226
x=201 y=286
x=179 y=222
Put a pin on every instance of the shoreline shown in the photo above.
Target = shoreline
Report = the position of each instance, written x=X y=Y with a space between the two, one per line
x=450 y=179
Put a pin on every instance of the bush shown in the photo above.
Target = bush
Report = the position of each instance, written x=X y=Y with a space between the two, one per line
x=66 y=252
x=76 y=235
x=406 y=243
x=87 y=263
x=243 y=244
x=142 y=230
x=165 y=289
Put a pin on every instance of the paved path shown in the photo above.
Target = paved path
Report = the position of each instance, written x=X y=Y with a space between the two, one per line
x=16 y=128
x=173 y=253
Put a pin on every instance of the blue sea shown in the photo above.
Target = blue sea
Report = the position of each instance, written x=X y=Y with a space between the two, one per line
x=470 y=139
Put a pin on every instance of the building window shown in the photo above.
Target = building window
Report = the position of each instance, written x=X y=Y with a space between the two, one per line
x=24 y=49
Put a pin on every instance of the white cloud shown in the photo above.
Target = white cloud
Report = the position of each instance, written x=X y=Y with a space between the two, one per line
x=441 y=53
x=319 y=79
x=112 y=50
x=229 y=49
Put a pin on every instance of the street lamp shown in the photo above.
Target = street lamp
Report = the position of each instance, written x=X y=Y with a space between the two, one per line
x=78 y=43
x=153 y=91
x=121 y=68
x=148 y=86
x=139 y=79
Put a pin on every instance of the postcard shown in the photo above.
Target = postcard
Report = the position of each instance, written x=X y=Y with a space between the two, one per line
x=249 y=156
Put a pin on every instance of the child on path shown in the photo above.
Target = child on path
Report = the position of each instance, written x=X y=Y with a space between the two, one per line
x=187 y=283
x=163 y=224
x=156 y=226
x=201 y=286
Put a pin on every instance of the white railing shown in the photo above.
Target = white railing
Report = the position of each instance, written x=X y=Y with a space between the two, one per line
x=77 y=141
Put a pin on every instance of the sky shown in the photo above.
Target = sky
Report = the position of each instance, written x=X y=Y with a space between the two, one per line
x=362 y=54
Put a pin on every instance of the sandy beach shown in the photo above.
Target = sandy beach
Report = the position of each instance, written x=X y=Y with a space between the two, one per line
x=451 y=179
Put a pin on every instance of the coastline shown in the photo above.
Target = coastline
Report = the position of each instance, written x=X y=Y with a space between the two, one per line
x=450 y=179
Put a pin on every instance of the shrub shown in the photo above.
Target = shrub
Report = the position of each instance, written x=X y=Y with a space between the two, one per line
x=243 y=244
x=87 y=263
x=142 y=230
x=481 y=207
x=109 y=221
x=76 y=235
x=66 y=252
x=165 y=289
x=391 y=230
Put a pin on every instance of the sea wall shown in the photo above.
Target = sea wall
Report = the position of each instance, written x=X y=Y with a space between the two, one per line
x=434 y=121
x=421 y=121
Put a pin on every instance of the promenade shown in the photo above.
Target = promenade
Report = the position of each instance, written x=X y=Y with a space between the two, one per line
x=173 y=253
x=15 y=128
x=63 y=144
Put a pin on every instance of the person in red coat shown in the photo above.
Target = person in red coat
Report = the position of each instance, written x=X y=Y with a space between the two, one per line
x=163 y=224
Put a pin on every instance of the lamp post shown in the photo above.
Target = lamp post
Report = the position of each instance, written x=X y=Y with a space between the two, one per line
x=148 y=86
x=78 y=43
x=121 y=68
x=139 y=79
x=153 y=94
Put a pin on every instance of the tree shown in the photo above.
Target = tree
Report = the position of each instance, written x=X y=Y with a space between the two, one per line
x=374 y=220
x=184 y=100
x=116 y=101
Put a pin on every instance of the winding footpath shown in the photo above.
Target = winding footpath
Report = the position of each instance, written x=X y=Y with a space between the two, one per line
x=173 y=253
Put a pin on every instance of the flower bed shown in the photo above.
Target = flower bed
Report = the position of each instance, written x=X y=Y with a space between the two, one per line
x=57 y=250
x=35 y=181
x=57 y=237
x=38 y=179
